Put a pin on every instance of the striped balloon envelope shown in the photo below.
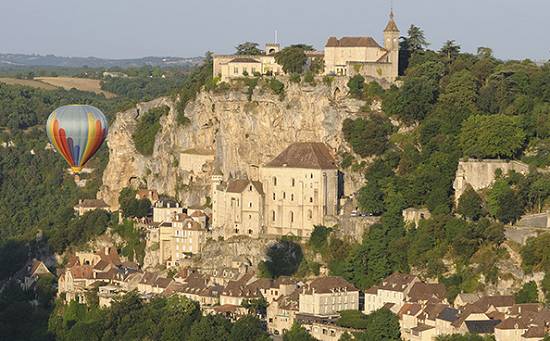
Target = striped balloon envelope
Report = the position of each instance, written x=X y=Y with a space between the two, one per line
x=77 y=132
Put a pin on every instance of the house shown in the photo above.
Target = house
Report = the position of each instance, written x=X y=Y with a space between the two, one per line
x=281 y=313
x=408 y=318
x=297 y=190
x=87 y=205
x=235 y=292
x=227 y=67
x=349 y=56
x=393 y=289
x=151 y=195
x=164 y=210
x=326 y=296
x=34 y=271
x=463 y=299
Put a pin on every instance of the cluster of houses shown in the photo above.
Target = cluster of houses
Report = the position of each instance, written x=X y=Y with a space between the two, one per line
x=422 y=308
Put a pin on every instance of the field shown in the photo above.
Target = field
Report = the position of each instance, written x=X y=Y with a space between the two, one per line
x=84 y=84
x=28 y=82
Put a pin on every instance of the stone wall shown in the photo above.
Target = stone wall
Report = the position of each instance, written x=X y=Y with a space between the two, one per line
x=481 y=173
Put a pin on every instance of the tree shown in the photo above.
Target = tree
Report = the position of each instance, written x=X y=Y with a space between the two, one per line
x=292 y=59
x=248 y=328
x=450 y=50
x=210 y=327
x=491 y=136
x=416 y=41
x=283 y=259
x=503 y=203
x=381 y=325
x=368 y=136
x=528 y=293
x=318 y=239
x=371 y=198
x=484 y=52
x=248 y=48
x=470 y=204
x=297 y=333
x=356 y=85
x=413 y=101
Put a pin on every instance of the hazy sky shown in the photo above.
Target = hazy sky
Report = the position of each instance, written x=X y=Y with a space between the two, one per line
x=137 y=28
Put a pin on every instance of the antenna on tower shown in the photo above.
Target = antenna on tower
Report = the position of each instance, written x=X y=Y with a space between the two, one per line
x=391 y=9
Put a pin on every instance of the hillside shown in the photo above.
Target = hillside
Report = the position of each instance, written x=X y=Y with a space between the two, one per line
x=8 y=60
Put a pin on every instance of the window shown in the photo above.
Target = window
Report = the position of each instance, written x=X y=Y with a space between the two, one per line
x=249 y=217
x=245 y=70
x=250 y=204
x=250 y=188
x=249 y=231
x=236 y=70
x=309 y=214
x=273 y=195
x=310 y=199
x=311 y=175
x=253 y=70
x=284 y=195
x=291 y=216
x=274 y=181
x=273 y=215
x=293 y=181
x=291 y=197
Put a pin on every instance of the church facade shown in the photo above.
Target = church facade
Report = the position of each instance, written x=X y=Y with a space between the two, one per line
x=296 y=191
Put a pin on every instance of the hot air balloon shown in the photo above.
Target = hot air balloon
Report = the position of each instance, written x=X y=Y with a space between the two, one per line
x=77 y=132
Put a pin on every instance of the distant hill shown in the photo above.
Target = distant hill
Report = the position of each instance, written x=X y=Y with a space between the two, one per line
x=8 y=60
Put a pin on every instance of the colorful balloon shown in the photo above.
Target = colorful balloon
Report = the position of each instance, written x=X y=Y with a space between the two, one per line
x=77 y=132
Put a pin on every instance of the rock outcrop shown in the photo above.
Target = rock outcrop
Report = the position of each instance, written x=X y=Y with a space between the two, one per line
x=243 y=134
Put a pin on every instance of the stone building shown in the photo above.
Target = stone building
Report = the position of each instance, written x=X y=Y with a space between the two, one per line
x=348 y=56
x=235 y=66
x=296 y=191
x=326 y=296
x=87 y=205
x=180 y=237
x=165 y=210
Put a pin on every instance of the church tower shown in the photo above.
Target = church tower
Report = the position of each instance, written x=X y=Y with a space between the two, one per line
x=391 y=43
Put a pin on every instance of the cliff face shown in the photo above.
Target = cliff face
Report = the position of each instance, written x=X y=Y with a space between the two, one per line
x=242 y=134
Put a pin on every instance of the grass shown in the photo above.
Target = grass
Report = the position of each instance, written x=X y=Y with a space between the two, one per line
x=28 y=82
x=83 y=84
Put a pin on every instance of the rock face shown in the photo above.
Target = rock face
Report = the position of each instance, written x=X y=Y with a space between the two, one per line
x=243 y=134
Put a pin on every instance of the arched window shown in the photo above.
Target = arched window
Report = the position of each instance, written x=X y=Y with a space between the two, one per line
x=291 y=197
x=311 y=176
x=309 y=214
x=249 y=231
x=273 y=215
x=250 y=188
x=250 y=204
x=291 y=216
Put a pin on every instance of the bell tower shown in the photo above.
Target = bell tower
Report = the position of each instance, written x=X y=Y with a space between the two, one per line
x=391 y=44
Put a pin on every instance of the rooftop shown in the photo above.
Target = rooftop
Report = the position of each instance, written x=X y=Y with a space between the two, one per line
x=352 y=42
x=311 y=155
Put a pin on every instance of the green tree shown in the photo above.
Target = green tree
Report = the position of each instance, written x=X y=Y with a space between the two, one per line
x=450 y=50
x=470 y=205
x=484 y=52
x=368 y=136
x=528 y=293
x=371 y=198
x=297 y=333
x=209 y=328
x=248 y=328
x=248 y=48
x=491 y=136
x=292 y=59
x=416 y=41
x=356 y=85
x=503 y=203
x=147 y=128
x=413 y=101
x=381 y=325
x=318 y=240
x=283 y=258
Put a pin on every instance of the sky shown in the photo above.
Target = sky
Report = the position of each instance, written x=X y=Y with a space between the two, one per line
x=514 y=29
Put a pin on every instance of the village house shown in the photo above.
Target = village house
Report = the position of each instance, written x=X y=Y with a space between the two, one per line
x=34 y=271
x=281 y=313
x=297 y=190
x=87 y=205
x=164 y=210
x=393 y=291
x=326 y=296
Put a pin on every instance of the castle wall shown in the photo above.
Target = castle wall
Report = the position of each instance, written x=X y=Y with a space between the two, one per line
x=481 y=173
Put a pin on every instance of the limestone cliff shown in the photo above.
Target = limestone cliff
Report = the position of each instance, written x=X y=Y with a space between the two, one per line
x=242 y=133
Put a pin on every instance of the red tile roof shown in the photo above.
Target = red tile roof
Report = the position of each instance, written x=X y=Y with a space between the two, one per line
x=313 y=155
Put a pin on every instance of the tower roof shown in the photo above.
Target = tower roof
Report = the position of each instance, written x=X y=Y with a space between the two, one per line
x=391 y=26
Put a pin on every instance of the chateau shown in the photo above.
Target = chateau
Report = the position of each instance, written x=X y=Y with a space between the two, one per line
x=296 y=191
x=347 y=56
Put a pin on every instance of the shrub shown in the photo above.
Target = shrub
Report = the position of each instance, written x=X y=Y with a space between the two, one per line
x=295 y=78
x=277 y=87
x=309 y=78
x=327 y=80
x=147 y=128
